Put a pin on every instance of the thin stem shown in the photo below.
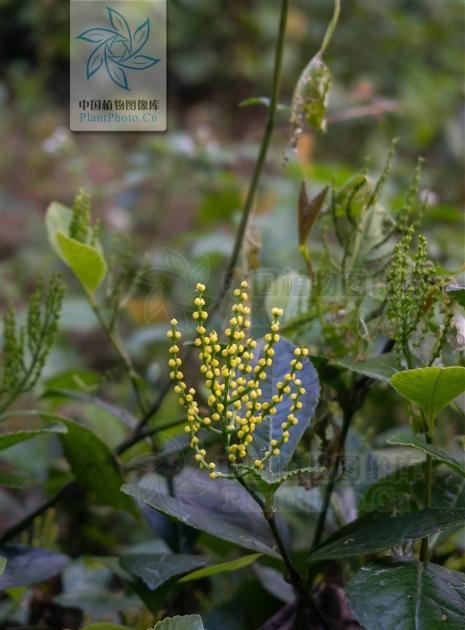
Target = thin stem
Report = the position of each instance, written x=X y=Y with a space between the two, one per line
x=331 y=27
x=261 y=158
x=320 y=525
x=120 y=351
x=424 y=549
x=350 y=408
x=294 y=575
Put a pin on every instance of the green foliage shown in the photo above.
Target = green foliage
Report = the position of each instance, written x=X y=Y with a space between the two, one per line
x=390 y=594
x=431 y=388
x=437 y=454
x=94 y=465
x=294 y=434
x=222 y=567
x=27 y=346
x=376 y=532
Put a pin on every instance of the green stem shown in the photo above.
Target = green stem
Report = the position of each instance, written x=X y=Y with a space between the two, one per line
x=293 y=573
x=120 y=351
x=265 y=143
x=331 y=27
x=320 y=525
x=424 y=550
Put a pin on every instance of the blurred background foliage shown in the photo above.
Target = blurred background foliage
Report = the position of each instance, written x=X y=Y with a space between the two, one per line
x=398 y=72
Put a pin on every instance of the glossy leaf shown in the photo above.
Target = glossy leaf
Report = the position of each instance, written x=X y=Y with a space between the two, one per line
x=395 y=595
x=94 y=465
x=271 y=429
x=222 y=567
x=416 y=442
x=377 y=531
x=86 y=261
x=27 y=565
x=220 y=507
x=430 y=388
x=156 y=569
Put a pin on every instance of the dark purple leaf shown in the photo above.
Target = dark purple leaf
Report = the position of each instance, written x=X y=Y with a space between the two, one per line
x=26 y=565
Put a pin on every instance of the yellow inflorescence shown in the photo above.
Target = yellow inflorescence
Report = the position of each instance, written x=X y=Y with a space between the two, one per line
x=233 y=377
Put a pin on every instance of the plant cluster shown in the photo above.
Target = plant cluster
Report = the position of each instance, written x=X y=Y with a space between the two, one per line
x=233 y=371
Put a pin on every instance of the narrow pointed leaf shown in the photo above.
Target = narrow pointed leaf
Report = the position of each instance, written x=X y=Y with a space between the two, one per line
x=309 y=210
x=376 y=532
x=222 y=567
x=439 y=455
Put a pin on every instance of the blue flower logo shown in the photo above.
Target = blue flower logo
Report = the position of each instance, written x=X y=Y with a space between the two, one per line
x=118 y=49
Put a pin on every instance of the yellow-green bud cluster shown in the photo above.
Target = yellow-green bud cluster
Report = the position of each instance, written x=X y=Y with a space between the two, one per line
x=232 y=376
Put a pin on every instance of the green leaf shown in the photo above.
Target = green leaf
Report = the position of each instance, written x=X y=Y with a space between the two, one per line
x=57 y=219
x=457 y=293
x=7 y=440
x=377 y=531
x=436 y=453
x=381 y=368
x=94 y=466
x=396 y=595
x=26 y=565
x=3 y=563
x=430 y=388
x=222 y=567
x=220 y=507
x=311 y=94
x=105 y=626
x=156 y=569
x=86 y=261
x=184 y=622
